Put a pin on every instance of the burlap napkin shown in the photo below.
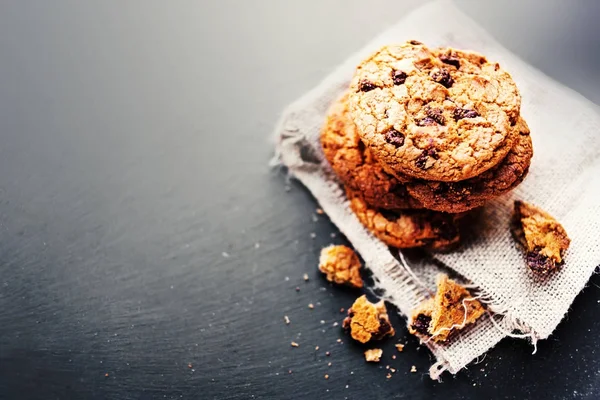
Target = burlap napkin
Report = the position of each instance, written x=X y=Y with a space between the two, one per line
x=564 y=180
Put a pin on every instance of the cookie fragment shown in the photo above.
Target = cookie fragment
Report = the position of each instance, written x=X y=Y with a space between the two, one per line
x=373 y=355
x=368 y=321
x=543 y=237
x=450 y=310
x=341 y=265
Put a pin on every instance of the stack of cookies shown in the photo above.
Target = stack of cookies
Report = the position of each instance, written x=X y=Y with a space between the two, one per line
x=421 y=137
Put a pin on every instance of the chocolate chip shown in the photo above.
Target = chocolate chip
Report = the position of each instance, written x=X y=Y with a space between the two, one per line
x=394 y=137
x=398 y=77
x=460 y=113
x=415 y=42
x=450 y=61
x=442 y=77
x=421 y=324
x=366 y=86
x=384 y=329
x=436 y=114
x=539 y=263
x=426 y=122
x=421 y=161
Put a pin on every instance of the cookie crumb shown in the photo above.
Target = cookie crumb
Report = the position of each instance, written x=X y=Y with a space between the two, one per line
x=106 y=375
x=326 y=376
x=341 y=265
x=542 y=236
x=190 y=366
x=438 y=317
x=327 y=353
x=320 y=211
x=388 y=376
x=413 y=369
x=332 y=235
x=399 y=347
x=342 y=310
x=329 y=364
x=297 y=289
x=335 y=323
x=286 y=319
x=367 y=321
x=393 y=356
x=373 y=355
x=387 y=367
x=290 y=372
x=393 y=370
x=305 y=276
x=339 y=340
x=313 y=235
x=311 y=306
x=316 y=348
x=294 y=344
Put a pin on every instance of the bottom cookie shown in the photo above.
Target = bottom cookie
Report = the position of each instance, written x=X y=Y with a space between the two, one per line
x=408 y=228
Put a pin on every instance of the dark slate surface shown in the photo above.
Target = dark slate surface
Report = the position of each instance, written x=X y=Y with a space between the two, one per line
x=146 y=250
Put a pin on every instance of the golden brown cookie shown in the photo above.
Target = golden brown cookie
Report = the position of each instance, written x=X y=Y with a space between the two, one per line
x=452 y=308
x=341 y=265
x=368 y=321
x=408 y=228
x=442 y=115
x=543 y=237
x=354 y=164
x=465 y=195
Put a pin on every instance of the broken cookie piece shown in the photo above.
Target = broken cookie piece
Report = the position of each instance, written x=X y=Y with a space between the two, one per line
x=452 y=308
x=373 y=355
x=341 y=265
x=368 y=321
x=544 y=239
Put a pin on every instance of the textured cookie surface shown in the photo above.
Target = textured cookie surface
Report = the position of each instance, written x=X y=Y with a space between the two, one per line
x=354 y=164
x=543 y=237
x=408 y=228
x=442 y=115
x=341 y=265
x=461 y=196
x=368 y=321
x=452 y=308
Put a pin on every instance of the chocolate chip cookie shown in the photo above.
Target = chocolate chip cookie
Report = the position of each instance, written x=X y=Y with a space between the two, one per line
x=442 y=115
x=354 y=164
x=542 y=236
x=408 y=228
x=461 y=196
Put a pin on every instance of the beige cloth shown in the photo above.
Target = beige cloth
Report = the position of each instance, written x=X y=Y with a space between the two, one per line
x=564 y=180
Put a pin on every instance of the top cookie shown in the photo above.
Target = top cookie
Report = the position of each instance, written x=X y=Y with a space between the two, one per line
x=442 y=115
